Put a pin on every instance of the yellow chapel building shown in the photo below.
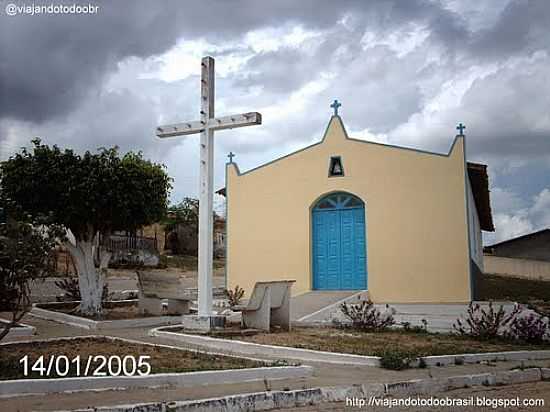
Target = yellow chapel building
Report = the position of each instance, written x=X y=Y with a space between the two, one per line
x=349 y=214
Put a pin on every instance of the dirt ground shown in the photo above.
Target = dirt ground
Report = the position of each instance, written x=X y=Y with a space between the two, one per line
x=109 y=313
x=119 y=280
x=161 y=359
x=377 y=343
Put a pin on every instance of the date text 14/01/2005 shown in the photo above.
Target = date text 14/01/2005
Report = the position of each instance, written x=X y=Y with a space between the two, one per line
x=98 y=365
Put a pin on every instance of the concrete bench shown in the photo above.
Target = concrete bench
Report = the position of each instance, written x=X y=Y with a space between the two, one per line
x=269 y=305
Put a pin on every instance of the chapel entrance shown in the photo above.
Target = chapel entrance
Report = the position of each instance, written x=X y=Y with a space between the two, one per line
x=339 y=243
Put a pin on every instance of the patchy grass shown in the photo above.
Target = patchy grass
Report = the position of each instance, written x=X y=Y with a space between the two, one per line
x=163 y=360
x=535 y=293
x=382 y=343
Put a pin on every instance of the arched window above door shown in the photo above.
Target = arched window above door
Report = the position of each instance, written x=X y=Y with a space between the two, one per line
x=339 y=200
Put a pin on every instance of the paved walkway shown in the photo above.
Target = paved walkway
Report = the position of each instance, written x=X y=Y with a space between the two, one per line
x=118 y=280
x=325 y=375
x=310 y=302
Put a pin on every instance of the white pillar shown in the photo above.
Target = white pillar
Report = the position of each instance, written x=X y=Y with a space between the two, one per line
x=206 y=227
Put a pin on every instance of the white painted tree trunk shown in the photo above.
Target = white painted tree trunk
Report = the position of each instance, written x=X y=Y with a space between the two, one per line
x=91 y=274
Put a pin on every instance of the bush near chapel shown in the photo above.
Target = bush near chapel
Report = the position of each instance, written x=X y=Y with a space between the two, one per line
x=490 y=323
x=365 y=316
x=26 y=253
x=90 y=195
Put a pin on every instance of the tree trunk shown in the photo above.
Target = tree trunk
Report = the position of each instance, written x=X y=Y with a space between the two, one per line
x=91 y=278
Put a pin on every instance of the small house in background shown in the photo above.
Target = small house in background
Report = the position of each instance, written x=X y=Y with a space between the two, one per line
x=219 y=237
x=182 y=238
x=526 y=256
x=142 y=247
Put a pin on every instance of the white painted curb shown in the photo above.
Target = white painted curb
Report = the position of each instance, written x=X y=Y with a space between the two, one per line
x=185 y=379
x=22 y=330
x=89 y=324
x=134 y=341
x=261 y=401
x=182 y=380
x=256 y=349
x=469 y=358
x=306 y=355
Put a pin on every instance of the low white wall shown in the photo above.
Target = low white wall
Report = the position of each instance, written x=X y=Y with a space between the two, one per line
x=522 y=268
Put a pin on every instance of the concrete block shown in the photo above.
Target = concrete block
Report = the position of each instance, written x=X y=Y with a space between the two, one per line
x=411 y=387
x=255 y=401
x=439 y=360
x=472 y=358
x=204 y=323
x=458 y=382
x=340 y=393
x=308 y=397
x=518 y=376
x=373 y=389
x=334 y=393
x=416 y=387
x=483 y=379
x=151 y=306
x=178 y=307
x=284 y=399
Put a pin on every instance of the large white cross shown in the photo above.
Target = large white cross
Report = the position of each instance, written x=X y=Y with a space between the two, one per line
x=206 y=127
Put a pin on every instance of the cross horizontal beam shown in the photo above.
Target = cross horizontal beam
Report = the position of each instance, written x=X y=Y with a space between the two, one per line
x=219 y=123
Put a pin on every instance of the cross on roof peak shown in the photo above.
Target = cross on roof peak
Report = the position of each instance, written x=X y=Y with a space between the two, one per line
x=460 y=129
x=231 y=155
x=335 y=105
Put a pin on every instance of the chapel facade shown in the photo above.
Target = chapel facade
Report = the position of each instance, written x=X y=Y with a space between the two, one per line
x=349 y=214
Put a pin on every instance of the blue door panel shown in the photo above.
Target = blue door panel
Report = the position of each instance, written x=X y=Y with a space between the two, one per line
x=339 y=244
x=333 y=240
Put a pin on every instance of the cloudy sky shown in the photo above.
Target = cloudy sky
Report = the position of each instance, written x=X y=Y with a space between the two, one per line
x=406 y=73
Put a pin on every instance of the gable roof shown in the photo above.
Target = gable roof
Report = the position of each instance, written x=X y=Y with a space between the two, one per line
x=518 y=238
x=477 y=173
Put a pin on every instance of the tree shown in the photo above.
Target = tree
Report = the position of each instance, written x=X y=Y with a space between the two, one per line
x=26 y=254
x=185 y=212
x=182 y=226
x=91 y=195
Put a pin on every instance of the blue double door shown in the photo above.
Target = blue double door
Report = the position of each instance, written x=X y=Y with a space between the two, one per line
x=339 y=244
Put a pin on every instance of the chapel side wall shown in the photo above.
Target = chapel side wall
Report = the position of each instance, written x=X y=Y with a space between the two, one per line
x=476 y=241
x=417 y=239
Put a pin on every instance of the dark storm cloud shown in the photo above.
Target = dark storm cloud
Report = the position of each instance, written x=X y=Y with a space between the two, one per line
x=522 y=28
x=69 y=79
x=50 y=62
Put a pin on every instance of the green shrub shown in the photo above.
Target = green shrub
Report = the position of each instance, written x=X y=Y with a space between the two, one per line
x=396 y=359
x=365 y=316
x=416 y=328
x=234 y=296
x=485 y=323
x=530 y=329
